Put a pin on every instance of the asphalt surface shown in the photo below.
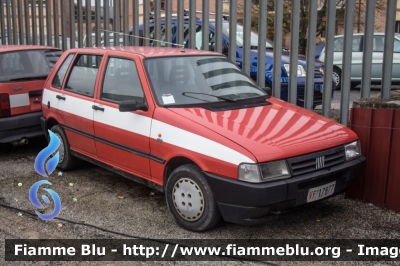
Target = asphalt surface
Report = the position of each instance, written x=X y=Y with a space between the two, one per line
x=93 y=196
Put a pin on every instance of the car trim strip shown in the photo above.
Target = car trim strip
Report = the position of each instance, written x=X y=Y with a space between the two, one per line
x=117 y=145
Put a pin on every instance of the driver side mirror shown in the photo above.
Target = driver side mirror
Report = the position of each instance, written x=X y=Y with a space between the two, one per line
x=131 y=106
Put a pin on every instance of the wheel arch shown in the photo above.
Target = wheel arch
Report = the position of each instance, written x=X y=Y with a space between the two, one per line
x=174 y=163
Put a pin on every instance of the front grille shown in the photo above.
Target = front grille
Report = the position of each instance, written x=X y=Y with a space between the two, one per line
x=308 y=163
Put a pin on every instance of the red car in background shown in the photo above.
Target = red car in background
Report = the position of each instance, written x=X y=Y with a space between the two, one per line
x=191 y=124
x=23 y=72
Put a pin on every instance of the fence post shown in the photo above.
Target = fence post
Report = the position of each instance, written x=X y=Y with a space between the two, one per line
x=232 y=28
x=388 y=50
x=367 y=54
x=347 y=55
x=330 y=38
x=277 y=70
x=262 y=32
x=311 y=38
x=294 y=52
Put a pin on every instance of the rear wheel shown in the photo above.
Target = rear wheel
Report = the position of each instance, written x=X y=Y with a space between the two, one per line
x=190 y=199
x=66 y=161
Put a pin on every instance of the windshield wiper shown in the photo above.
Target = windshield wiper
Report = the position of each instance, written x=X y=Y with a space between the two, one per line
x=200 y=93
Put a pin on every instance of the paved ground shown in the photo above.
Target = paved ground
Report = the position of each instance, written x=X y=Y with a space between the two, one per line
x=116 y=204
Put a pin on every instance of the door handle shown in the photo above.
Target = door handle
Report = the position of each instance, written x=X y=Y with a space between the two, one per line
x=60 y=97
x=97 y=108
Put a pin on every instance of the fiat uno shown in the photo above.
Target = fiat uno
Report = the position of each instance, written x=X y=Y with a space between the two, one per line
x=191 y=124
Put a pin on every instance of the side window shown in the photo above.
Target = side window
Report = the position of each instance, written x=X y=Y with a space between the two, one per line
x=378 y=43
x=338 y=45
x=59 y=77
x=83 y=74
x=356 y=43
x=199 y=38
x=162 y=35
x=121 y=81
x=396 y=47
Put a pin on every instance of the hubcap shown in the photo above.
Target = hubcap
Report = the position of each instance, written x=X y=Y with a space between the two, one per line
x=60 y=149
x=336 y=78
x=188 y=199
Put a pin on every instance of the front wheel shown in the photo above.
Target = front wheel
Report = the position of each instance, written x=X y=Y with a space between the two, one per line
x=190 y=199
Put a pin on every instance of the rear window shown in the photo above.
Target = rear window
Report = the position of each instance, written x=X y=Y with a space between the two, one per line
x=27 y=65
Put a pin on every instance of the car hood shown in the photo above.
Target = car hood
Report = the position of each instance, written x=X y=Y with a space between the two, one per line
x=273 y=132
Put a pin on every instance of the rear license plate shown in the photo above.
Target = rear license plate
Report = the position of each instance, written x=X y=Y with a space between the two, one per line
x=321 y=192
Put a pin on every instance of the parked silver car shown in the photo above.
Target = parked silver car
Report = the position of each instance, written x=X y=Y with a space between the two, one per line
x=356 y=68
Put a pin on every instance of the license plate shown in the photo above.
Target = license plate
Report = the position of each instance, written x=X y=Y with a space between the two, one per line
x=321 y=88
x=321 y=192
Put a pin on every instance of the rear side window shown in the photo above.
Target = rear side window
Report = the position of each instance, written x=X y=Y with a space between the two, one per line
x=59 y=77
x=83 y=74
x=27 y=65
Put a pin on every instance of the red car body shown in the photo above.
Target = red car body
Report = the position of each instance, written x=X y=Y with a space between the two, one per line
x=23 y=71
x=147 y=145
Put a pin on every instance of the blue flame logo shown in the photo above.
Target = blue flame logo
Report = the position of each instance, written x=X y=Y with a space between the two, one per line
x=35 y=201
x=46 y=153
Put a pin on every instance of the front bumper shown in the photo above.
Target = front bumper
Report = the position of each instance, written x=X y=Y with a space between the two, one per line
x=21 y=126
x=249 y=204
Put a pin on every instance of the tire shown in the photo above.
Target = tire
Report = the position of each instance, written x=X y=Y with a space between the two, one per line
x=190 y=199
x=337 y=77
x=66 y=161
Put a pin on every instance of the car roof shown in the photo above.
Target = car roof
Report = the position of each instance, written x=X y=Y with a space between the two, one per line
x=361 y=34
x=10 y=48
x=148 y=51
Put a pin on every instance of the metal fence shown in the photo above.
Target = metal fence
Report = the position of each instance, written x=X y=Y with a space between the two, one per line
x=65 y=24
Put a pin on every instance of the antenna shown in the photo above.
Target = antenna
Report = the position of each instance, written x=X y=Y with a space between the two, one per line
x=131 y=35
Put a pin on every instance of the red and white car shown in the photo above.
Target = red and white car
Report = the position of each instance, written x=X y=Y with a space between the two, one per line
x=23 y=72
x=191 y=124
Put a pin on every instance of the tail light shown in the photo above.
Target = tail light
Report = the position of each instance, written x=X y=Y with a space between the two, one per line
x=4 y=105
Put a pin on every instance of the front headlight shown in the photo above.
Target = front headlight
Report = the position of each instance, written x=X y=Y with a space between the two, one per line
x=352 y=150
x=274 y=171
x=265 y=172
x=249 y=173
x=301 y=72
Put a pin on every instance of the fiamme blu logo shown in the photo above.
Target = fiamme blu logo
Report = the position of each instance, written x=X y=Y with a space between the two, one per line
x=51 y=155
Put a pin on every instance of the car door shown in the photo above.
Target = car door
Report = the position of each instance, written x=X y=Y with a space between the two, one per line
x=122 y=138
x=75 y=103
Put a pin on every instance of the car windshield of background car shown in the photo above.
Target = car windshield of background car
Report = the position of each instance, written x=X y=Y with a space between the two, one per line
x=239 y=36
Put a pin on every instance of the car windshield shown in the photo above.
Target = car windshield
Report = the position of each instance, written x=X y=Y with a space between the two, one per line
x=239 y=36
x=198 y=79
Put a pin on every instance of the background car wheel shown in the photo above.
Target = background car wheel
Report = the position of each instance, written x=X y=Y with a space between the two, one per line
x=66 y=161
x=190 y=199
x=337 y=77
